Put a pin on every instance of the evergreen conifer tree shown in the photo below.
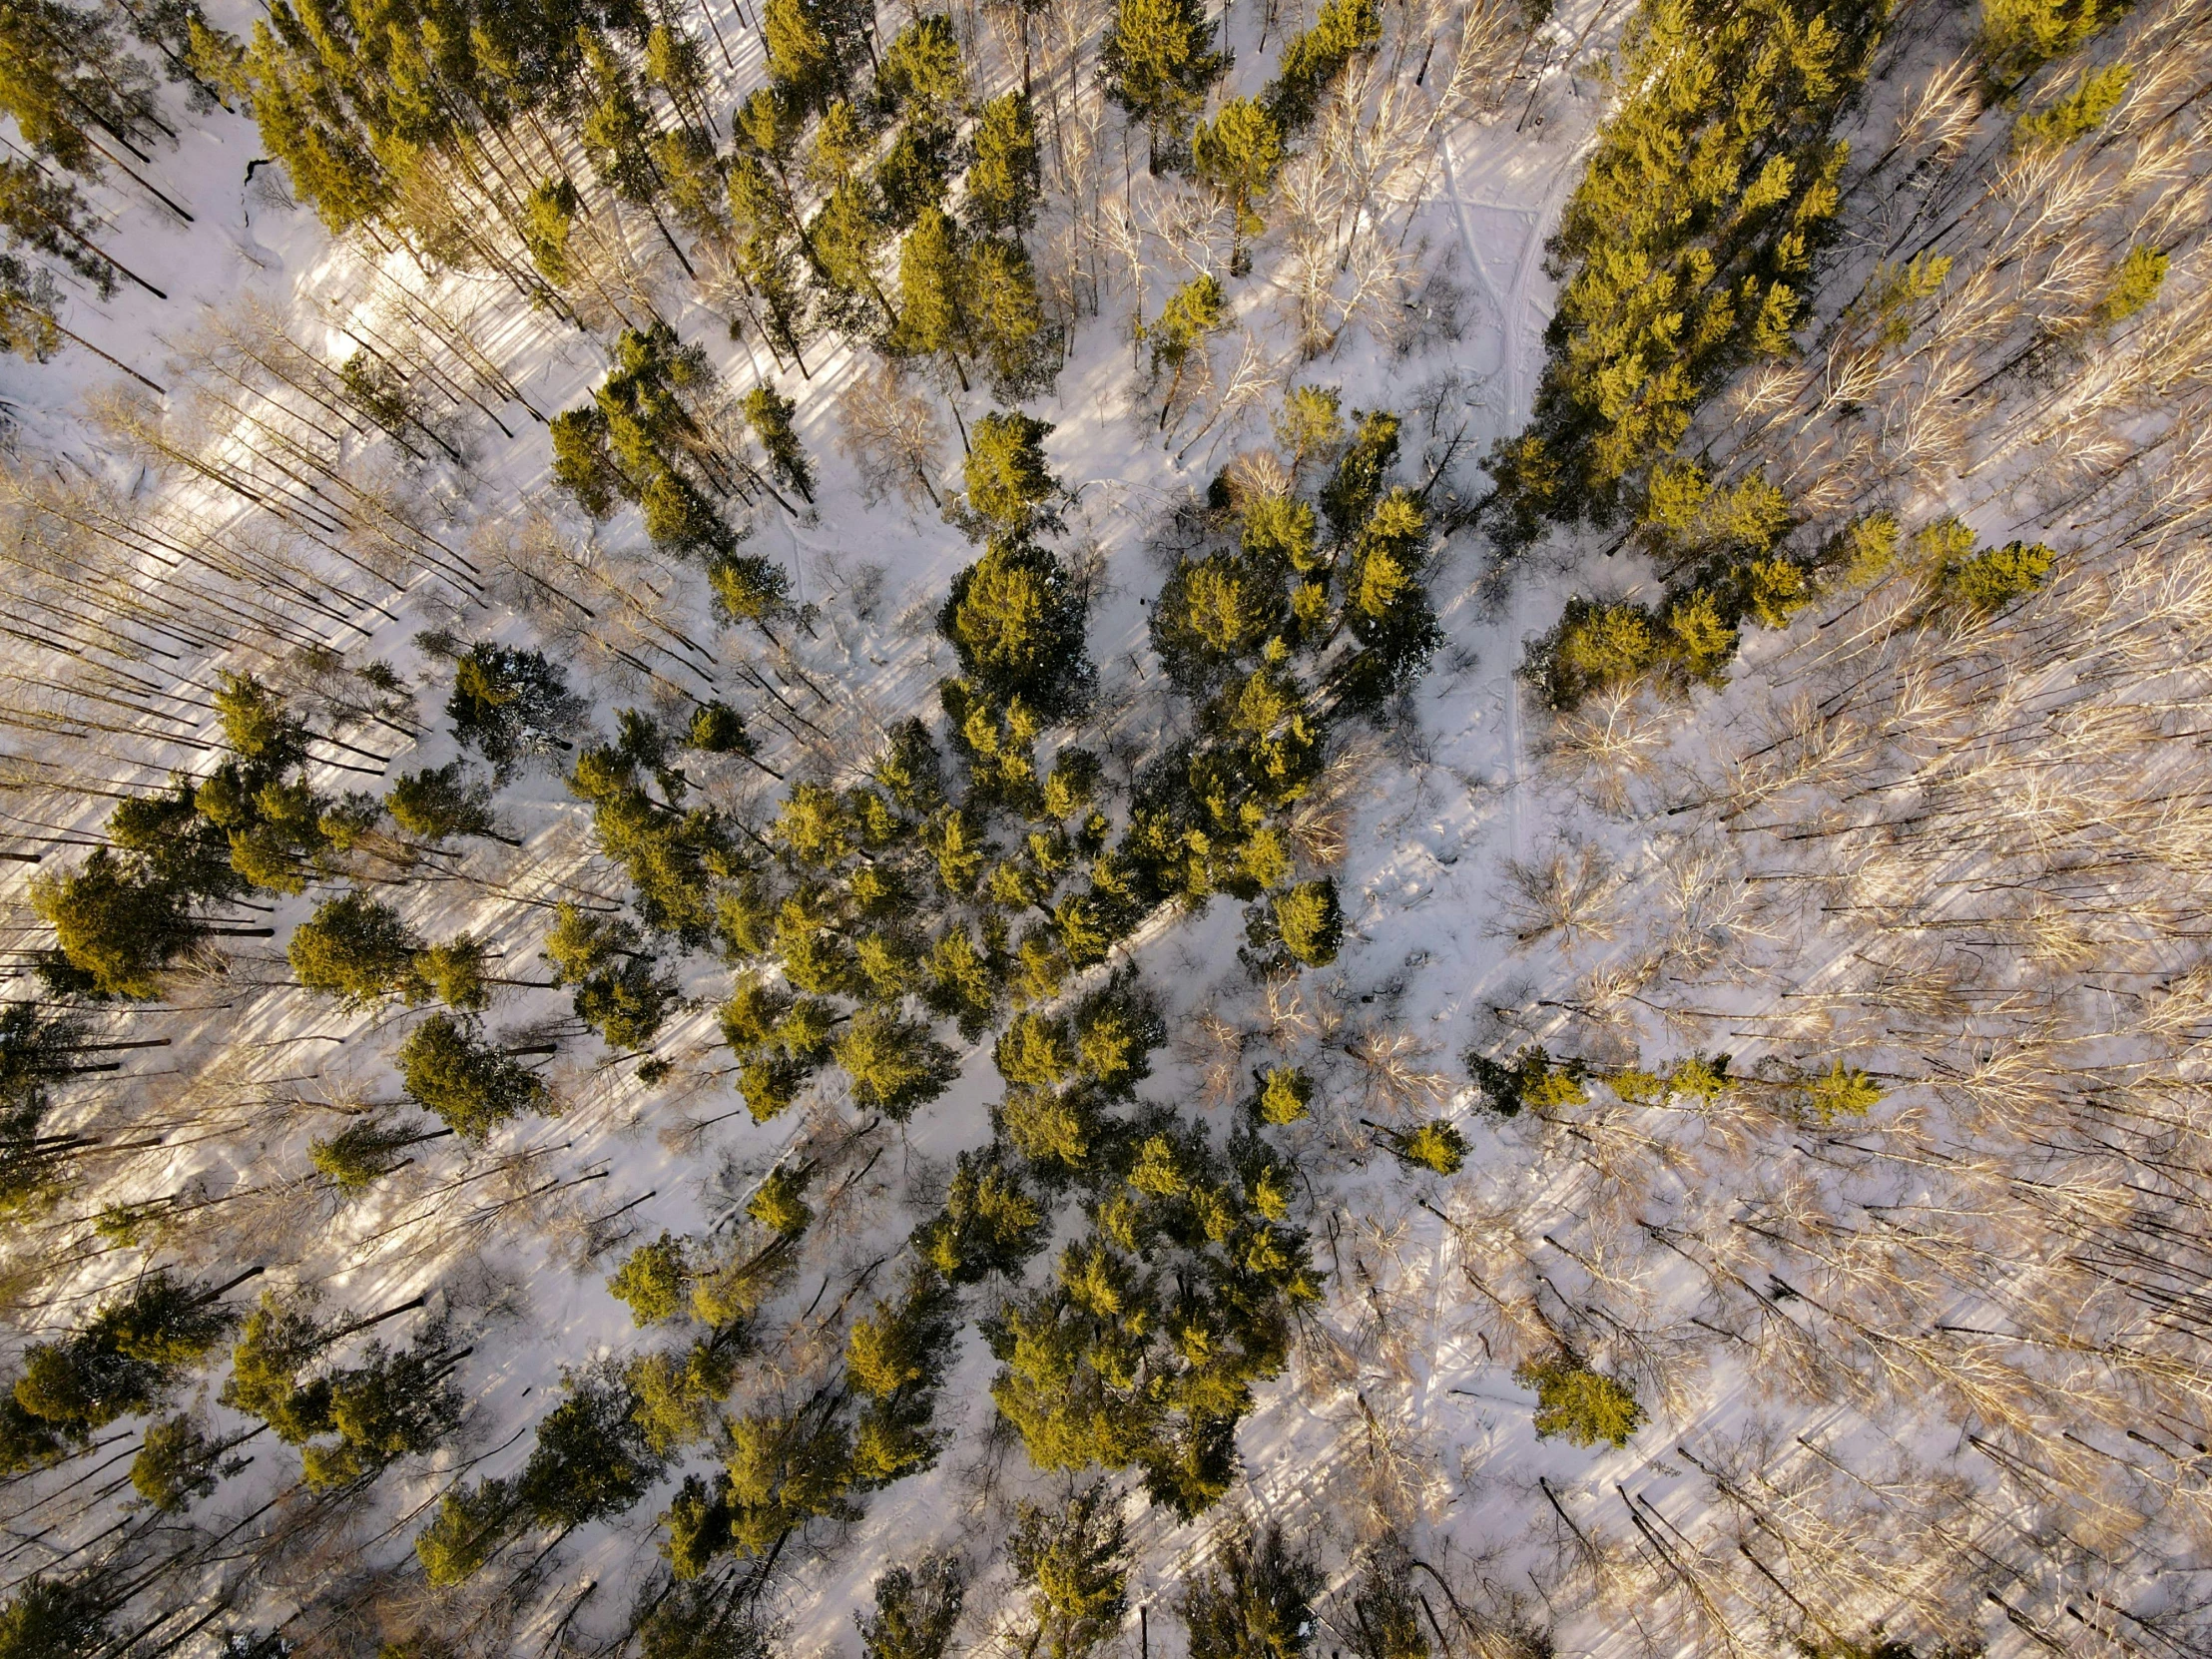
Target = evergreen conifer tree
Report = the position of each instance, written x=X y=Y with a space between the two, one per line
x=1581 y=1405
x=439 y=801
x=1004 y=178
x=916 y=1610
x=1192 y=314
x=932 y=294
x=894 y=1063
x=448 y=1068
x=1159 y=61
x=1010 y=486
x=771 y=419
x=1073 y=1563
x=1254 y=1602
x=1236 y=153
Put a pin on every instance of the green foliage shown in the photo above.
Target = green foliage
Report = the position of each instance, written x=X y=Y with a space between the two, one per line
x=1532 y=1078
x=916 y=1611
x=1074 y=1565
x=438 y=802
x=2077 y=113
x=1003 y=179
x=349 y=1421
x=1581 y=1405
x=769 y=415
x=1254 y=1602
x=619 y=990
x=1687 y=246
x=359 y=1155
x=1065 y=1071
x=446 y=1067
x=1017 y=625
x=1838 y=1092
x=1235 y=155
x=922 y=74
x=356 y=948
x=133 y=1351
x=1286 y=1096
x=115 y=923
x=1309 y=922
x=2018 y=37
x=471 y=1525
x=1144 y=1347
x=53 y=1618
x=510 y=705
x=779 y=1203
x=1313 y=58
x=1159 y=59
x=1989 y=581
x=702 y=1619
x=591 y=1459
x=2135 y=283
x=801 y=55
x=896 y=1359
x=176 y=1465
x=1435 y=1146
x=654 y=1281
x=894 y=1063
x=1190 y=315
x=1386 y=1611
x=990 y=1222
x=1011 y=490
x=670 y=853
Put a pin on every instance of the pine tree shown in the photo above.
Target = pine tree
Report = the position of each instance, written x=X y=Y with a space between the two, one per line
x=48 y=218
x=894 y=1064
x=1314 y=59
x=115 y=925
x=1159 y=61
x=922 y=75
x=349 y=1421
x=1435 y=1146
x=2018 y=37
x=654 y=1281
x=354 y=947
x=53 y=1618
x=896 y=1359
x=177 y=1465
x=448 y=1068
x=1236 y=153
x=990 y=1222
x=1011 y=490
x=134 y=1351
x=931 y=294
x=1005 y=318
x=771 y=419
x=510 y=705
x=916 y=1610
x=1019 y=629
x=28 y=297
x=362 y=1154
x=439 y=801
x=619 y=990
x=1286 y=1095
x=1003 y=179
x=1192 y=314
x=1073 y=1563
x=1254 y=1602
x=1386 y=1613
x=1308 y=921
x=1581 y=1405
x=800 y=58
